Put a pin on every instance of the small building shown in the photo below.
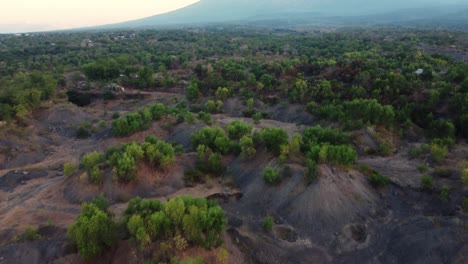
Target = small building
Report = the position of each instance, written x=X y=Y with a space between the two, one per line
x=87 y=43
x=419 y=71
x=113 y=87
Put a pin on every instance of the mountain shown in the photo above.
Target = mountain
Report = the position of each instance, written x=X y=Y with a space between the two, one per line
x=301 y=12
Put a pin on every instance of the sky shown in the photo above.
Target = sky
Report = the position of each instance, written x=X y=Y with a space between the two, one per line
x=38 y=15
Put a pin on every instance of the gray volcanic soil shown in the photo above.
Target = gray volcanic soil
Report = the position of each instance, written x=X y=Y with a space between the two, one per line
x=339 y=218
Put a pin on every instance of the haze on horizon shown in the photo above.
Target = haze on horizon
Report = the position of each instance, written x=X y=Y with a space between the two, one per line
x=44 y=15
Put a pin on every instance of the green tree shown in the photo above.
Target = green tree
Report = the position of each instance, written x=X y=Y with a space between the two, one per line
x=271 y=176
x=274 y=138
x=247 y=147
x=93 y=231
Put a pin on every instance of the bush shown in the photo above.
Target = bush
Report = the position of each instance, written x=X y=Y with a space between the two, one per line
x=465 y=204
x=125 y=168
x=274 y=138
x=378 y=181
x=205 y=117
x=444 y=194
x=92 y=159
x=82 y=133
x=214 y=138
x=96 y=175
x=30 y=234
x=271 y=176
x=464 y=173
x=69 y=168
x=198 y=221
x=464 y=176
x=92 y=232
x=438 y=153
x=267 y=223
x=443 y=172
x=247 y=147
x=311 y=172
x=238 y=129
x=427 y=182
x=318 y=135
x=158 y=111
x=192 y=177
x=344 y=155
x=423 y=168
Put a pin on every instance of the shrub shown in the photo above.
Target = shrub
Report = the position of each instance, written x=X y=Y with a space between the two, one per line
x=115 y=115
x=193 y=261
x=271 y=176
x=69 y=168
x=198 y=221
x=193 y=176
x=222 y=257
x=344 y=155
x=30 y=234
x=125 y=168
x=82 y=133
x=92 y=159
x=96 y=175
x=214 y=138
x=443 y=172
x=465 y=204
x=438 y=153
x=192 y=91
x=311 y=172
x=318 y=135
x=444 y=194
x=464 y=176
x=238 y=129
x=274 y=138
x=247 y=147
x=92 y=232
x=160 y=154
x=102 y=124
x=427 y=182
x=284 y=153
x=423 y=168
x=267 y=223
x=158 y=111
x=464 y=173
x=257 y=117
x=205 y=117
x=378 y=181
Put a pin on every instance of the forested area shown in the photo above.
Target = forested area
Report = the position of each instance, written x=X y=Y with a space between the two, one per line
x=276 y=113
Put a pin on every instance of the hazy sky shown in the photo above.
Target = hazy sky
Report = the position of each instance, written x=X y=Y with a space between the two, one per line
x=34 y=15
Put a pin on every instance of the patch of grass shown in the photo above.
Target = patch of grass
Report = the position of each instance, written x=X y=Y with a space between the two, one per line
x=69 y=168
x=193 y=176
x=30 y=234
x=267 y=223
x=465 y=204
x=464 y=173
x=444 y=194
x=377 y=180
x=365 y=169
x=423 y=168
x=438 y=153
x=427 y=182
x=443 y=172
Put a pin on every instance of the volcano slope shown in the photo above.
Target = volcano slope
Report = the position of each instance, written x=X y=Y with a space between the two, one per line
x=338 y=218
x=311 y=177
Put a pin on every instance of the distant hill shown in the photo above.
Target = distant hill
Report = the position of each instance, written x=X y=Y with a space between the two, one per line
x=300 y=12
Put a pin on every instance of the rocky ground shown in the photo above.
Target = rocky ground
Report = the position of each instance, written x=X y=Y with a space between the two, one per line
x=340 y=218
